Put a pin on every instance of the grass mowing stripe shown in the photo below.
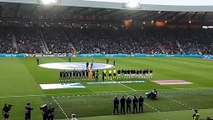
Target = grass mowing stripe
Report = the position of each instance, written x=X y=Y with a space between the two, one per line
x=178 y=102
x=60 y=108
x=16 y=81
x=151 y=107
x=21 y=96
x=110 y=93
x=125 y=86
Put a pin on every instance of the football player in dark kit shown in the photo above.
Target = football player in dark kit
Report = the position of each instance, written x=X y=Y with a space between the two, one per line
x=60 y=75
x=119 y=73
x=135 y=104
x=140 y=101
x=103 y=75
x=114 y=63
x=87 y=74
x=128 y=105
x=69 y=59
x=63 y=75
x=87 y=65
x=28 y=108
x=83 y=74
x=107 y=60
x=66 y=75
x=115 y=103
x=96 y=75
x=122 y=101
x=38 y=61
x=6 y=111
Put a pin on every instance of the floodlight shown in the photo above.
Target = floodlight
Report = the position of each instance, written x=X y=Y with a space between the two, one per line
x=47 y=2
x=133 y=4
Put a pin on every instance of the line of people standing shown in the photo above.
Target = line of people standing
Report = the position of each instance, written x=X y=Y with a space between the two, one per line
x=125 y=105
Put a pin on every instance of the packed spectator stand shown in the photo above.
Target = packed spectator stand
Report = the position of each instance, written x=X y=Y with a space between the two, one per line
x=105 y=40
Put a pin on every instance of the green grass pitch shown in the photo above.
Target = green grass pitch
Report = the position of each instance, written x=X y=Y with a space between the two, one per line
x=20 y=79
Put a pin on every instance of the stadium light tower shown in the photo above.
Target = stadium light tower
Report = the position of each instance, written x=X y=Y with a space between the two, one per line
x=48 y=2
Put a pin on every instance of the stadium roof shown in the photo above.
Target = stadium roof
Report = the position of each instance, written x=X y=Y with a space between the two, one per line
x=103 y=10
x=153 y=5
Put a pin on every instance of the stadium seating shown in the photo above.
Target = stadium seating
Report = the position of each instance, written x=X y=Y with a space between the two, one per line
x=106 y=40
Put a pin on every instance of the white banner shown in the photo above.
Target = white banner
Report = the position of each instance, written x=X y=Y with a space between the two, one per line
x=61 y=86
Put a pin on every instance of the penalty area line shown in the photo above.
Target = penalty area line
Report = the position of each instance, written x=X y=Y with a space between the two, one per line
x=60 y=108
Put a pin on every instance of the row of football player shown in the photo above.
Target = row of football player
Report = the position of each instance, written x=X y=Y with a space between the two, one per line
x=106 y=74
x=83 y=74
x=130 y=73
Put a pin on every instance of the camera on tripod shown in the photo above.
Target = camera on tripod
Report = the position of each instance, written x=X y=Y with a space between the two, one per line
x=9 y=106
x=43 y=106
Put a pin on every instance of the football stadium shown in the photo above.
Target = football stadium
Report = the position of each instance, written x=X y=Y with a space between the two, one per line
x=106 y=60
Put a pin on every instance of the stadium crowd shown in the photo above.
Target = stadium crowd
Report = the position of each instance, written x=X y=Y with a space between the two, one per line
x=106 y=40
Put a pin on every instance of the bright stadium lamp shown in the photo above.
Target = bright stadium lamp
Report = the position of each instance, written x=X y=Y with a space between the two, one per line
x=47 y=2
x=132 y=4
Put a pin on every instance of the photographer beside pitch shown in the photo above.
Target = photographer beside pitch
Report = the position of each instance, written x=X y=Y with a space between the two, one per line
x=44 y=111
x=196 y=115
x=28 y=108
x=6 y=111
x=47 y=112
x=51 y=111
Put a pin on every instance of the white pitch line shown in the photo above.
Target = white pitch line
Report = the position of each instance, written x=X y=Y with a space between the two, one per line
x=177 y=102
x=21 y=96
x=60 y=108
x=151 y=107
x=125 y=86
x=105 y=93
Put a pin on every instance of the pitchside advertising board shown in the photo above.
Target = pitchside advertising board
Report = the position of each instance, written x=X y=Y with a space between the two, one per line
x=13 y=55
x=107 y=55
